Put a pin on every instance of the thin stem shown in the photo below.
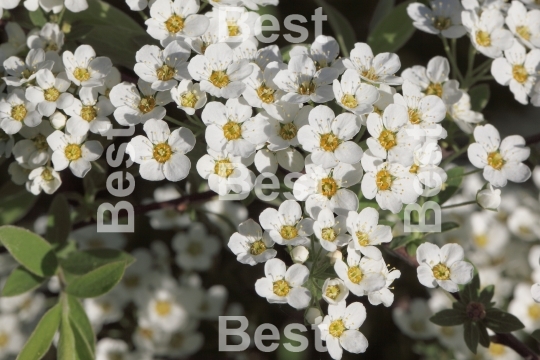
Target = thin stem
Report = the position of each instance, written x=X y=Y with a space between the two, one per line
x=143 y=15
x=452 y=58
x=454 y=156
x=173 y=120
x=460 y=204
x=533 y=139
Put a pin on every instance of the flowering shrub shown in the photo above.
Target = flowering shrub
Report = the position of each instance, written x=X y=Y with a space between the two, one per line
x=382 y=169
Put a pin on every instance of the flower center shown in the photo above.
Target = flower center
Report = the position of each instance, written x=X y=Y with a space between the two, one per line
x=73 y=152
x=194 y=248
x=4 y=339
x=27 y=73
x=266 y=94
x=441 y=23
x=483 y=38
x=332 y=292
x=434 y=89
x=174 y=24
x=234 y=29
x=534 y=311
x=88 y=113
x=328 y=234
x=189 y=100
x=281 y=288
x=219 y=79
x=336 y=328
x=496 y=349
x=376 y=110
x=387 y=139
x=51 y=46
x=147 y=104
x=47 y=175
x=163 y=307
x=40 y=142
x=165 y=73
x=232 y=130
x=480 y=240
x=441 y=272
x=223 y=168
x=329 y=142
x=81 y=74
x=288 y=131
x=495 y=160
x=288 y=232
x=524 y=32
x=519 y=73
x=355 y=274
x=349 y=101
x=370 y=74
x=328 y=187
x=414 y=116
x=162 y=152
x=383 y=180
x=363 y=238
x=51 y=94
x=307 y=88
x=257 y=248
x=18 y=112
x=414 y=169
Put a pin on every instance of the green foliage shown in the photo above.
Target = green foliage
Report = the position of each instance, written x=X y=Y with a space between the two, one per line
x=16 y=203
x=479 y=96
x=455 y=178
x=58 y=221
x=20 y=281
x=448 y=317
x=66 y=344
x=501 y=321
x=343 y=31
x=392 y=31
x=30 y=250
x=82 y=262
x=97 y=282
x=39 y=342
x=37 y=17
x=383 y=9
x=82 y=329
x=536 y=335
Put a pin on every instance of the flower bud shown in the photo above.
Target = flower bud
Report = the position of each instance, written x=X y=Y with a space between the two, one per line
x=313 y=316
x=489 y=198
x=299 y=254
x=335 y=256
x=58 y=120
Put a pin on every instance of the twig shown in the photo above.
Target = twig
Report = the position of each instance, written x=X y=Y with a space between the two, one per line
x=178 y=204
x=533 y=139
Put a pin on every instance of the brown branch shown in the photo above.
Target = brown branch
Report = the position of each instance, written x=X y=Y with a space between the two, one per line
x=533 y=139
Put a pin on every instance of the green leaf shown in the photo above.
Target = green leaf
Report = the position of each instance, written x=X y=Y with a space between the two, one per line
x=37 y=17
x=97 y=282
x=501 y=321
x=58 y=221
x=536 y=335
x=393 y=31
x=343 y=30
x=471 y=334
x=400 y=241
x=486 y=295
x=81 y=325
x=66 y=344
x=483 y=335
x=21 y=281
x=15 y=204
x=383 y=9
x=82 y=348
x=479 y=96
x=40 y=341
x=448 y=317
x=455 y=177
x=82 y=262
x=449 y=226
x=30 y=250
x=470 y=291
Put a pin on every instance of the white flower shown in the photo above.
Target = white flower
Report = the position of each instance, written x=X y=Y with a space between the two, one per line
x=524 y=223
x=267 y=161
x=524 y=24
x=486 y=31
x=10 y=333
x=73 y=151
x=361 y=275
x=89 y=113
x=230 y=127
x=136 y=279
x=329 y=138
x=331 y=231
x=219 y=75
x=386 y=97
x=16 y=111
x=489 y=237
x=313 y=316
x=163 y=68
x=164 y=307
x=111 y=80
x=443 y=18
x=188 y=96
x=390 y=183
x=48 y=38
x=138 y=5
x=489 y=198
x=108 y=348
x=518 y=70
x=260 y=57
x=390 y=135
x=434 y=80
x=16 y=42
x=302 y=82
x=217 y=32
x=104 y=309
x=425 y=166
x=133 y=107
x=414 y=320
x=380 y=69
x=535 y=292
x=334 y=291
x=282 y=285
x=33 y=150
x=240 y=24
x=226 y=172
x=324 y=51
x=286 y=120
x=524 y=307
x=384 y=296
x=463 y=115
x=50 y=93
x=250 y=245
x=501 y=161
x=353 y=95
x=327 y=188
x=444 y=267
x=261 y=91
x=21 y=72
x=366 y=233
x=175 y=20
x=162 y=154
x=83 y=68
x=89 y=238
x=340 y=329
x=286 y=226
x=299 y=254
x=196 y=248
x=43 y=178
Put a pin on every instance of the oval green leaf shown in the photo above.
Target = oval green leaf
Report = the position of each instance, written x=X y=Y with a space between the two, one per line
x=97 y=282
x=21 y=281
x=58 y=221
x=81 y=262
x=343 y=30
x=40 y=341
x=393 y=31
x=15 y=204
x=66 y=344
x=81 y=324
x=479 y=96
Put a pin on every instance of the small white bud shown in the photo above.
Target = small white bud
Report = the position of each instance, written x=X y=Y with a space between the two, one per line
x=489 y=198
x=313 y=316
x=335 y=256
x=299 y=254
x=58 y=120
